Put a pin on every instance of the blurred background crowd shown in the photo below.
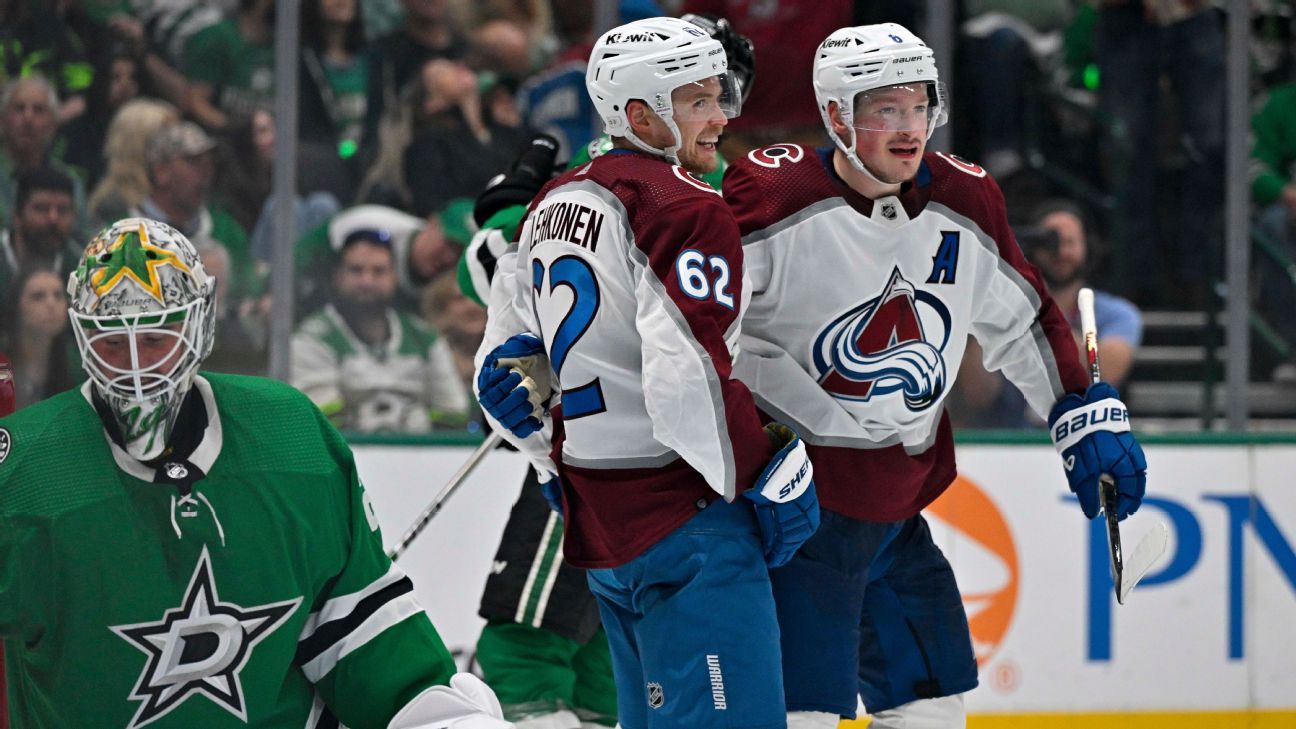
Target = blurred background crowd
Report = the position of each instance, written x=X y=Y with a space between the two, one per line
x=1103 y=121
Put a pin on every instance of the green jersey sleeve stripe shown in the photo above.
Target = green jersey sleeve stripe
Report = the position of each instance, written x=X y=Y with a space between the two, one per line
x=389 y=614
x=339 y=608
x=330 y=634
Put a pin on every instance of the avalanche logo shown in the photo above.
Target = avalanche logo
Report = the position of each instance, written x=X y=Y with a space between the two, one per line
x=881 y=346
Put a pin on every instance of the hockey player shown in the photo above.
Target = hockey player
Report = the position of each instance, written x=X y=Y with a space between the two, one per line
x=543 y=649
x=635 y=271
x=185 y=550
x=871 y=262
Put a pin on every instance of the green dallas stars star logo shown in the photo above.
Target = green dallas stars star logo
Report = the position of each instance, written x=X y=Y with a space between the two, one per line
x=131 y=256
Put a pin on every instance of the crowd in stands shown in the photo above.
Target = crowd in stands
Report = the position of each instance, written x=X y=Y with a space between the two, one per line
x=407 y=108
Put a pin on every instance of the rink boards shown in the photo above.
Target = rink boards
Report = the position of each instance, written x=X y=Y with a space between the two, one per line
x=1206 y=639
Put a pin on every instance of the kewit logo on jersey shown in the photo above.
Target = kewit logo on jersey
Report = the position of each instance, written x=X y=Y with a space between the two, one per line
x=199 y=648
x=884 y=345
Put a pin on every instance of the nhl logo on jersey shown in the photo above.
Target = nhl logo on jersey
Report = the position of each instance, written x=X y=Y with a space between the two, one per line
x=175 y=471
x=5 y=444
x=655 y=696
x=889 y=211
x=200 y=647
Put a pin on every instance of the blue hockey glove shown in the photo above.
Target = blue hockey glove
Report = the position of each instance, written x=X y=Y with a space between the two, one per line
x=1093 y=435
x=784 y=494
x=552 y=492
x=513 y=384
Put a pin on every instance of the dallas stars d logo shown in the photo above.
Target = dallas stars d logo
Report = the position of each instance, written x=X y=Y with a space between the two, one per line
x=199 y=647
x=132 y=255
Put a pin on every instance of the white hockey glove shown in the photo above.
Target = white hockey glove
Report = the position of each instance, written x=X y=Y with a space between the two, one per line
x=466 y=703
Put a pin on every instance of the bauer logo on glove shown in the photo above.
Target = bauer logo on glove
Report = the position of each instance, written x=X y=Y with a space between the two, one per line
x=1109 y=414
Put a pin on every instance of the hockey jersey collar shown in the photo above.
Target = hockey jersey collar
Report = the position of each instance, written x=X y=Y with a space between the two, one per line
x=913 y=195
x=204 y=455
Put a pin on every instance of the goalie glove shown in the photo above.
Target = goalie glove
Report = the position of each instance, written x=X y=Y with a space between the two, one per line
x=1092 y=433
x=513 y=384
x=787 y=507
x=466 y=703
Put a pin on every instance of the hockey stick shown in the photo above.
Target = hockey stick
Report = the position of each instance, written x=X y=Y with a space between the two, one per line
x=1125 y=575
x=8 y=403
x=492 y=440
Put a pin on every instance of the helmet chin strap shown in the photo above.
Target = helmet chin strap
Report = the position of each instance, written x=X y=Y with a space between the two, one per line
x=855 y=161
x=671 y=153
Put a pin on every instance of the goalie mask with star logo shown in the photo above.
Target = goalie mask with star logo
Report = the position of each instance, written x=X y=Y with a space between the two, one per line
x=143 y=311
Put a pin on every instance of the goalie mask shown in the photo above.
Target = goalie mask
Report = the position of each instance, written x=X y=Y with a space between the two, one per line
x=649 y=59
x=142 y=310
x=854 y=63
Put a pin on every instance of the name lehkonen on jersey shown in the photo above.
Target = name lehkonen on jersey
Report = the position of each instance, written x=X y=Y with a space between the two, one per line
x=569 y=222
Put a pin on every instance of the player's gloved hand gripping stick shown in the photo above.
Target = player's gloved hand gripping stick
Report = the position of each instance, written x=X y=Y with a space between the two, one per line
x=1105 y=465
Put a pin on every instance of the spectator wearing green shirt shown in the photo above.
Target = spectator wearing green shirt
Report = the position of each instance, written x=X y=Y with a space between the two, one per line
x=231 y=65
x=1273 y=188
x=334 y=75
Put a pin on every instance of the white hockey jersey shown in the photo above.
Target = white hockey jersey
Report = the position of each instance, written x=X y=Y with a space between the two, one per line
x=407 y=384
x=860 y=315
x=631 y=271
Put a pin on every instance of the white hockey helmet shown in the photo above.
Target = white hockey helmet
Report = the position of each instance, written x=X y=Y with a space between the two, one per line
x=855 y=60
x=647 y=60
x=142 y=280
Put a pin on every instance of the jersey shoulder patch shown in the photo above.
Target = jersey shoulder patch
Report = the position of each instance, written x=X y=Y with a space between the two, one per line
x=960 y=164
x=961 y=185
x=770 y=184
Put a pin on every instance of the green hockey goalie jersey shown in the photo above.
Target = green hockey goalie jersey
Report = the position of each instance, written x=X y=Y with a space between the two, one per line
x=257 y=595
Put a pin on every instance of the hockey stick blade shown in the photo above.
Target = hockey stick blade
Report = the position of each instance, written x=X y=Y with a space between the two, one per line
x=1145 y=554
x=1107 y=492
